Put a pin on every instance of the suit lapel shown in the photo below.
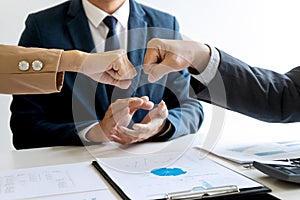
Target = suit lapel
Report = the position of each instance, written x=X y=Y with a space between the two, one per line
x=137 y=33
x=137 y=41
x=79 y=28
x=81 y=37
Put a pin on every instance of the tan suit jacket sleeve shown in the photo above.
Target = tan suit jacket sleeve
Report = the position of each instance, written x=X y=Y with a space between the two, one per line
x=30 y=81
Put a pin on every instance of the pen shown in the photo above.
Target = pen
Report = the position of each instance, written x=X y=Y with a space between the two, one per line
x=97 y=166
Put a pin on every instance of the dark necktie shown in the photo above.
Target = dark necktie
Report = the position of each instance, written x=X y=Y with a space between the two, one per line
x=111 y=43
x=112 y=40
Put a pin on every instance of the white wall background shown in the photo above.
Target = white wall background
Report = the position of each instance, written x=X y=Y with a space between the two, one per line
x=263 y=33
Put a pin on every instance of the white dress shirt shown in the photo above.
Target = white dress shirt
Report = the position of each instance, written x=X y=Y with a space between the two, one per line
x=211 y=70
x=99 y=31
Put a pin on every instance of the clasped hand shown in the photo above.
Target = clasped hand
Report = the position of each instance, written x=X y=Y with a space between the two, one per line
x=113 y=127
x=119 y=115
x=151 y=125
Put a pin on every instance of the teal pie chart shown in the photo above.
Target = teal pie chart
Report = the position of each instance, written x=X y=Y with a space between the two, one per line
x=168 y=172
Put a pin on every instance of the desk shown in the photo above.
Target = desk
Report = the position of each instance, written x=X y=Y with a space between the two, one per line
x=64 y=155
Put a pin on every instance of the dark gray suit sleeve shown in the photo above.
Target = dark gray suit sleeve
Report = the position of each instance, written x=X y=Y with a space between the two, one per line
x=256 y=92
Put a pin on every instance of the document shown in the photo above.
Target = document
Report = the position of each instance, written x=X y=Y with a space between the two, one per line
x=142 y=177
x=49 y=180
x=88 y=195
x=265 y=151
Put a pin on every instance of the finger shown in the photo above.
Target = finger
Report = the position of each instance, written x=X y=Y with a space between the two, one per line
x=157 y=71
x=120 y=104
x=122 y=68
x=160 y=112
x=129 y=132
x=151 y=59
x=144 y=131
x=145 y=98
x=135 y=103
x=152 y=56
x=118 y=118
x=127 y=68
x=123 y=84
x=141 y=128
x=106 y=78
x=130 y=71
x=122 y=71
x=123 y=117
x=146 y=105
x=175 y=62
x=116 y=139
x=136 y=135
x=120 y=138
x=123 y=138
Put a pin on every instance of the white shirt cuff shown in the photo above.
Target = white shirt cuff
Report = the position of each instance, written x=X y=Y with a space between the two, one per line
x=83 y=132
x=166 y=131
x=211 y=70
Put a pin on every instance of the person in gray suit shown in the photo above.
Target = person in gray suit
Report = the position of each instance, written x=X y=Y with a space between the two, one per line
x=226 y=81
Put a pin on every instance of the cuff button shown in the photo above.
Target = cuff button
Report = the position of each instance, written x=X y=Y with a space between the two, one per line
x=23 y=65
x=37 y=65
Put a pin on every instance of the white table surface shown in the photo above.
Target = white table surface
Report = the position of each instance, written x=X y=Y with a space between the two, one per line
x=64 y=155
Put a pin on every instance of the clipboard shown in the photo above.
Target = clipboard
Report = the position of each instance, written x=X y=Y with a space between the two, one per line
x=228 y=191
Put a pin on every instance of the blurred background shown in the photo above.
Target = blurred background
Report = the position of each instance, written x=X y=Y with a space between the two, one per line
x=263 y=33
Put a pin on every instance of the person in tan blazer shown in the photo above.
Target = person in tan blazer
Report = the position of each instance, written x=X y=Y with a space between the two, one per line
x=39 y=71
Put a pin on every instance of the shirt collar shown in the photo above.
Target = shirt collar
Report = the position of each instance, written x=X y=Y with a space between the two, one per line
x=95 y=15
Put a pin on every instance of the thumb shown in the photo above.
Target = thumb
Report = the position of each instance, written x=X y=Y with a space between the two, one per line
x=162 y=109
x=160 y=112
x=151 y=58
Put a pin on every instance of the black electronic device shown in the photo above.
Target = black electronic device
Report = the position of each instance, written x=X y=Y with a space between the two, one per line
x=286 y=170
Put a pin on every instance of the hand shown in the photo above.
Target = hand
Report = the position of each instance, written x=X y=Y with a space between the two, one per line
x=112 y=67
x=119 y=113
x=165 y=56
x=153 y=123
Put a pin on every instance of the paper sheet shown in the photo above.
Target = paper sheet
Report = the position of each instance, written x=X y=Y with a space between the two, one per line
x=266 y=151
x=188 y=171
x=49 y=180
x=92 y=195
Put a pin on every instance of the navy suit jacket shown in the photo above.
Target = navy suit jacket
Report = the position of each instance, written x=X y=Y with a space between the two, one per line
x=55 y=119
x=255 y=92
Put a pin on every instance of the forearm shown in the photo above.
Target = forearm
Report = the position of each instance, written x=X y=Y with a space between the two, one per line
x=255 y=92
x=187 y=119
x=72 y=61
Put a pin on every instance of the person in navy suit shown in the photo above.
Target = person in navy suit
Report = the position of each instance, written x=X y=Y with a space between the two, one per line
x=84 y=112
x=226 y=81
